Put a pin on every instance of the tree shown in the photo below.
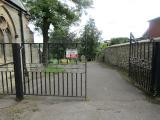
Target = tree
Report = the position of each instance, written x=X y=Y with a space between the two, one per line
x=89 y=40
x=119 y=40
x=61 y=36
x=58 y=13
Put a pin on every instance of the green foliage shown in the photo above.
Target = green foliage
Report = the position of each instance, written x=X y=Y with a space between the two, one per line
x=57 y=13
x=103 y=46
x=119 y=40
x=51 y=12
x=100 y=52
x=89 y=40
x=62 y=35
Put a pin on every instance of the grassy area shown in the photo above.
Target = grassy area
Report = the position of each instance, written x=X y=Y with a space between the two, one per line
x=53 y=69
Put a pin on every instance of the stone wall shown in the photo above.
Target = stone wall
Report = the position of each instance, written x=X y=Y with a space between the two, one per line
x=12 y=19
x=10 y=29
x=118 y=55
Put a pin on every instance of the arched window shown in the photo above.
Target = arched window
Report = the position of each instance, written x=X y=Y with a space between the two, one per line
x=6 y=34
x=5 y=37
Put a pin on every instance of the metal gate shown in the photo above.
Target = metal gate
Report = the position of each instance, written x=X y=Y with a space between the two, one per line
x=144 y=68
x=52 y=69
x=7 y=79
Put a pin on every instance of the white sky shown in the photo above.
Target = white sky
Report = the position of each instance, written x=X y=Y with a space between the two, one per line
x=117 y=18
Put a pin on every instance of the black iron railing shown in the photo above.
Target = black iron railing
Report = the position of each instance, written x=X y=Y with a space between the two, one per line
x=142 y=70
x=62 y=73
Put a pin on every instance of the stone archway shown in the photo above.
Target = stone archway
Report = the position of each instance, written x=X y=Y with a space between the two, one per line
x=6 y=34
x=9 y=23
x=5 y=37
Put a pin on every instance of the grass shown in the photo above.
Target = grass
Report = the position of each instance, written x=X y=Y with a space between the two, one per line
x=53 y=69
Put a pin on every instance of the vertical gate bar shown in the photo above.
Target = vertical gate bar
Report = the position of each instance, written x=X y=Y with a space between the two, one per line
x=76 y=86
x=28 y=83
x=142 y=69
x=145 y=78
x=152 y=70
x=81 y=84
x=140 y=65
x=86 y=68
x=45 y=83
x=24 y=83
x=137 y=64
x=147 y=81
x=77 y=53
x=39 y=52
x=149 y=67
x=72 y=82
x=32 y=84
x=36 y=83
x=130 y=58
x=67 y=83
x=58 y=85
x=86 y=79
x=149 y=75
x=48 y=52
x=54 y=82
x=63 y=82
x=31 y=52
x=58 y=53
x=7 y=82
x=154 y=54
x=2 y=81
x=144 y=65
x=41 y=83
x=4 y=53
x=135 y=53
x=49 y=83
x=24 y=68
x=11 y=82
x=133 y=59
x=144 y=51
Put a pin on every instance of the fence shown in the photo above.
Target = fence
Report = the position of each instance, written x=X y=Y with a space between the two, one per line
x=140 y=60
x=140 y=65
x=52 y=69
x=7 y=80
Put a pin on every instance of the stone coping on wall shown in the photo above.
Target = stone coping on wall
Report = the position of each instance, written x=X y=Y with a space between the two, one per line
x=142 y=41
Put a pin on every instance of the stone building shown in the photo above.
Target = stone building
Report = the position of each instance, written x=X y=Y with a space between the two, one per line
x=13 y=24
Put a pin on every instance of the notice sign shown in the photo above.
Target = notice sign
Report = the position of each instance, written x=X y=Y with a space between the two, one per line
x=71 y=53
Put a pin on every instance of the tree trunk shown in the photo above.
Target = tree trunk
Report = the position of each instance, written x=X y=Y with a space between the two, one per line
x=45 y=28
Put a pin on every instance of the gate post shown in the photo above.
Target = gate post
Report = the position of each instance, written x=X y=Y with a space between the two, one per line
x=17 y=59
x=156 y=69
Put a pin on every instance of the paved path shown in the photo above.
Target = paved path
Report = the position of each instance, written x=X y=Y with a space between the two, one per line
x=110 y=97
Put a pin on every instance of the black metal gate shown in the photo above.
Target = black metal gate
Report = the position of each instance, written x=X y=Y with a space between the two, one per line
x=7 y=79
x=144 y=68
x=52 y=69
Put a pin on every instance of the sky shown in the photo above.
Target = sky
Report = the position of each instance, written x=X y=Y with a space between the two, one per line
x=117 y=18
